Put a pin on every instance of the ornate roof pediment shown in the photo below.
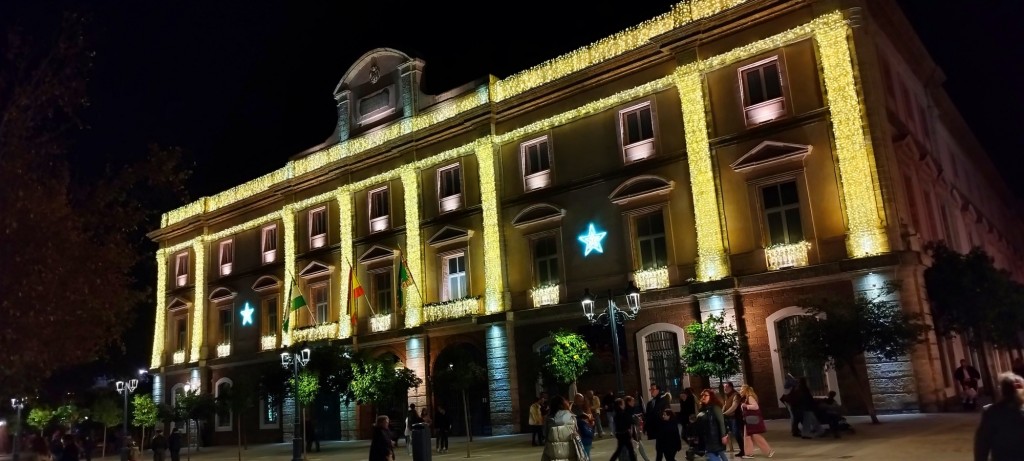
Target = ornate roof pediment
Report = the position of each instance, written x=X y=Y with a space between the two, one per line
x=640 y=186
x=376 y=253
x=449 y=234
x=315 y=269
x=371 y=66
x=769 y=152
x=538 y=213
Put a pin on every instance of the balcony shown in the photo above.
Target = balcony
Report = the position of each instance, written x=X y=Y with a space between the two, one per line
x=315 y=333
x=223 y=350
x=268 y=342
x=178 y=357
x=449 y=310
x=786 y=255
x=380 y=322
x=545 y=295
x=651 y=279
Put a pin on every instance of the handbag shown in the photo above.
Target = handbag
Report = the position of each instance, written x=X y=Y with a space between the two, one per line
x=752 y=419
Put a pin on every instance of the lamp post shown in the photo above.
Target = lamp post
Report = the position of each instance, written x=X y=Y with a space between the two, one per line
x=18 y=404
x=613 y=316
x=124 y=388
x=294 y=360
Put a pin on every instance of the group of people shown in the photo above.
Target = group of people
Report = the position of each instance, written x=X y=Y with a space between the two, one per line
x=384 y=442
x=807 y=413
x=68 y=447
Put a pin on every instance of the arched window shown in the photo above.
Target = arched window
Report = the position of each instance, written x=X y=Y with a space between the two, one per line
x=781 y=325
x=658 y=345
x=223 y=416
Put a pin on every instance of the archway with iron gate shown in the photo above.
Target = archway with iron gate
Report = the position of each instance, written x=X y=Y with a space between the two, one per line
x=455 y=357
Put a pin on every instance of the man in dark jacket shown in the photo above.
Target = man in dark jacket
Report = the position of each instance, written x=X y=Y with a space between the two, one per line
x=967 y=376
x=158 y=444
x=174 y=444
x=652 y=416
x=382 y=446
x=1001 y=431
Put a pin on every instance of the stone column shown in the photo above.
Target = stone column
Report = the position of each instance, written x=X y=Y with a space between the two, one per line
x=288 y=418
x=410 y=84
x=343 y=99
x=416 y=360
x=501 y=377
x=892 y=382
x=349 y=420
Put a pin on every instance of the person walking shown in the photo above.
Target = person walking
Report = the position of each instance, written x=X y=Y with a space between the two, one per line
x=174 y=444
x=788 y=399
x=687 y=409
x=561 y=429
x=595 y=405
x=411 y=418
x=668 y=442
x=754 y=427
x=652 y=416
x=710 y=426
x=443 y=423
x=1001 y=431
x=70 y=451
x=623 y=425
x=638 y=426
x=584 y=421
x=733 y=416
x=967 y=377
x=158 y=444
x=536 y=421
x=382 y=446
x=312 y=438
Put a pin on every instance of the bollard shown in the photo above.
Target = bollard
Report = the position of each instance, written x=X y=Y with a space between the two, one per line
x=421 y=442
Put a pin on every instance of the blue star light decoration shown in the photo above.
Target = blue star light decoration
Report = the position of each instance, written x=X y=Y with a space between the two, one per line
x=592 y=240
x=247 y=314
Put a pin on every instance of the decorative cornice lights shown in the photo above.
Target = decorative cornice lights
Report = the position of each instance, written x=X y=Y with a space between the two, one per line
x=651 y=279
x=786 y=255
x=199 y=301
x=494 y=287
x=268 y=342
x=380 y=322
x=156 y=360
x=315 y=333
x=454 y=309
x=545 y=295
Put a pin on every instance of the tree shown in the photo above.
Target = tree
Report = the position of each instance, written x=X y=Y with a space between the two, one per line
x=839 y=331
x=377 y=381
x=145 y=414
x=39 y=418
x=67 y=415
x=95 y=222
x=567 y=358
x=108 y=412
x=462 y=374
x=193 y=407
x=712 y=349
x=238 y=399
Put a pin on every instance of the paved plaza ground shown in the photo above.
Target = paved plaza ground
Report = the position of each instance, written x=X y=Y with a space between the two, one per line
x=933 y=437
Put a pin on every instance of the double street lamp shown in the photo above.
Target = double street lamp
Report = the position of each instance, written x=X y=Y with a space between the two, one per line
x=18 y=404
x=613 y=316
x=124 y=388
x=294 y=360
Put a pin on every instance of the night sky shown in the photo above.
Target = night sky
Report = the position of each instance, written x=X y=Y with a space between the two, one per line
x=243 y=86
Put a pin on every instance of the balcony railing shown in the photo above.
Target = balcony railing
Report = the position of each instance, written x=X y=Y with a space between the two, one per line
x=651 y=279
x=178 y=357
x=223 y=350
x=545 y=295
x=448 y=310
x=380 y=322
x=786 y=255
x=268 y=342
x=315 y=333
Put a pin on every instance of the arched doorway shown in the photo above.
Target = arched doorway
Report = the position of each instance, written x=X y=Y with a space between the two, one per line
x=477 y=397
x=398 y=405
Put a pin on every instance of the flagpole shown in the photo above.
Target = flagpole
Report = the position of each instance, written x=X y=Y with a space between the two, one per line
x=288 y=310
x=409 y=270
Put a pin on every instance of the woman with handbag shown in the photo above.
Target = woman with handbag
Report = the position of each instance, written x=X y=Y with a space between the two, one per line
x=753 y=424
x=563 y=439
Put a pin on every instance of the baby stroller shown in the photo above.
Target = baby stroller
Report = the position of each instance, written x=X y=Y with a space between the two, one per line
x=694 y=445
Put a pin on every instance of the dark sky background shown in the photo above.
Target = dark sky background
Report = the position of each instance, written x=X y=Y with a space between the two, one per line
x=242 y=86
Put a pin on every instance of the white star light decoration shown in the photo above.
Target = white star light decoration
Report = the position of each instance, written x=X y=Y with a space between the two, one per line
x=592 y=240
x=247 y=314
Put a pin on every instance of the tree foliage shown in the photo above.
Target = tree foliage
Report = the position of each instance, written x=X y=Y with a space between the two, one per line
x=712 y=349
x=40 y=417
x=460 y=373
x=972 y=298
x=108 y=412
x=145 y=412
x=308 y=386
x=77 y=272
x=376 y=381
x=839 y=330
x=567 y=358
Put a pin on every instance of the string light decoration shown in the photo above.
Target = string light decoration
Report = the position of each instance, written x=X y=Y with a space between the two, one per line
x=288 y=231
x=651 y=279
x=346 y=228
x=380 y=322
x=268 y=342
x=315 y=333
x=199 y=302
x=156 y=360
x=545 y=295
x=413 y=247
x=178 y=357
x=494 y=286
x=223 y=350
x=785 y=255
x=454 y=309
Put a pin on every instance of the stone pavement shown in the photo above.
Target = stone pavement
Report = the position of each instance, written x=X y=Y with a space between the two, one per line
x=935 y=437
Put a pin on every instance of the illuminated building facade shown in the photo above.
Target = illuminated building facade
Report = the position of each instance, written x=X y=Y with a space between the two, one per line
x=728 y=156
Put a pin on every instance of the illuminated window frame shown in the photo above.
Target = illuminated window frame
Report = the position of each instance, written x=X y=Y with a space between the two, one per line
x=443 y=258
x=181 y=268
x=644 y=147
x=225 y=330
x=783 y=210
x=321 y=308
x=377 y=290
x=541 y=178
x=268 y=243
x=318 y=222
x=770 y=109
x=452 y=201
x=636 y=214
x=270 y=316
x=226 y=256
x=535 y=239
x=180 y=344
x=379 y=221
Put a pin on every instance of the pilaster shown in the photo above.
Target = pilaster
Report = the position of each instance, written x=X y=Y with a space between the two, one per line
x=343 y=99
x=416 y=360
x=500 y=376
x=892 y=382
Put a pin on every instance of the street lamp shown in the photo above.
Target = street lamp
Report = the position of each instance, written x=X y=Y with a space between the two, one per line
x=18 y=404
x=612 y=316
x=124 y=388
x=294 y=360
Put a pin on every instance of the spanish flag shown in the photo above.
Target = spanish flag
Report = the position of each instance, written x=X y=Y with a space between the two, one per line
x=357 y=290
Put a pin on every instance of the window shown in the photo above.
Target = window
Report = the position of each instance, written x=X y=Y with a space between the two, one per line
x=269 y=326
x=268 y=243
x=377 y=105
x=545 y=260
x=226 y=318
x=181 y=329
x=449 y=187
x=782 y=213
x=761 y=84
x=952 y=237
x=453 y=268
x=382 y=291
x=223 y=411
x=536 y=158
x=662 y=351
x=320 y=302
x=637 y=132
x=181 y=268
x=379 y=209
x=227 y=256
x=318 y=227
x=650 y=236
x=795 y=364
x=269 y=415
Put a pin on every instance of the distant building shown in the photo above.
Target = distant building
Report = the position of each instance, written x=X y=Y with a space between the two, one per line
x=728 y=157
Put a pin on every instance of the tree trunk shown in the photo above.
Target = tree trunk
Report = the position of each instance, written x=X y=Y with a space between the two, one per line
x=142 y=440
x=103 y=452
x=465 y=413
x=572 y=390
x=864 y=394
